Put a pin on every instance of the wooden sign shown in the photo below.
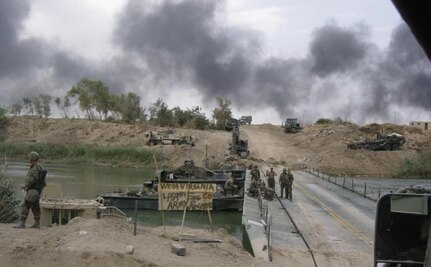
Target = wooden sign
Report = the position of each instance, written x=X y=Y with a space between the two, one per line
x=193 y=196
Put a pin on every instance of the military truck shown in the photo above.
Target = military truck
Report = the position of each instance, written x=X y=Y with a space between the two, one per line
x=392 y=141
x=291 y=125
x=162 y=138
x=245 y=120
x=402 y=228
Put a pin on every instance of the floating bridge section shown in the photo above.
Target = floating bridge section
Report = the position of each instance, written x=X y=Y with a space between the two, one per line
x=273 y=235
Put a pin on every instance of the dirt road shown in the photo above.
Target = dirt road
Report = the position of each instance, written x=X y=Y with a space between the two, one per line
x=269 y=144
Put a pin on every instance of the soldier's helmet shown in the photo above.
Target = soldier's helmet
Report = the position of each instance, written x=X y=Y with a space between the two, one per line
x=255 y=166
x=33 y=156
x=284 y=169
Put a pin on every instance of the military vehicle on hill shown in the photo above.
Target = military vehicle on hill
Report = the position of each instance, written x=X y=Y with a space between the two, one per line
x=245 y=120
x=162 y=138
x=291 y=125
x=403 y=228
x=387 y=142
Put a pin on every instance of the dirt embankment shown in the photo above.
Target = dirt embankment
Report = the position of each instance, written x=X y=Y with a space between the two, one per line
x=104 y=242
x=318 y=146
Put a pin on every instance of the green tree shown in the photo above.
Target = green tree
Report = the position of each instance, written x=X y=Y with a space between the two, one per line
x=180 y=116
x=8 y=199
x=46 y=105
x=160 y=113
x=28 y=105
x=3 y=123
x=82 y=93
x=128 y=107
x=38 y=106
x=15 y=109
x=222 y=113
x=42 y=105
x=63 y=105
x=199 y=120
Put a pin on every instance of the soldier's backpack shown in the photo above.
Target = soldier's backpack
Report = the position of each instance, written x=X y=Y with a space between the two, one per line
x=42 y=181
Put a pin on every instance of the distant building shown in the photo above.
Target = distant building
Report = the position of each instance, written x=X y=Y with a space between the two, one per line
x=424 y=125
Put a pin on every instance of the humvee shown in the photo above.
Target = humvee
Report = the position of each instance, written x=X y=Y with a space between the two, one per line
x=402 y=228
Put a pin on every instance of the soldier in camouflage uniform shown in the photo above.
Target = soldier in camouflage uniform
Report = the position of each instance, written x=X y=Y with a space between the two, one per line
x=255 y=173
x=256 y=183
x=230 y=186
x=32 y=182
x=269 y=193
x=286 y=181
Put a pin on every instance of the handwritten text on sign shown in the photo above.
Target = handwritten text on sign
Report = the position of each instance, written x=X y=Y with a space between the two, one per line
x=176 y=196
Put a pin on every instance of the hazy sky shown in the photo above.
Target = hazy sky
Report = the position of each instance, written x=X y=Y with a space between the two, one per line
x=353 y=59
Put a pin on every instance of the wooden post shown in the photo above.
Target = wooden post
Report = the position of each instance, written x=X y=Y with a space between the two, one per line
x=378 y=196
x=136 y=217
x=206 y=156
x=184 y=211
x=365 y=190
x=160 y=196
x=344 y=182
x=353 y=185
x=211 y=220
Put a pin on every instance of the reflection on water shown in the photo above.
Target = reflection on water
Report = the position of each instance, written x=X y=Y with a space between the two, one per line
x=83 y=181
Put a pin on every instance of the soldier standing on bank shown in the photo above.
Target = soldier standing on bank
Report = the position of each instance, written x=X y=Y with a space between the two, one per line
x=286 y=181
x=33 y=185
x=270 y=175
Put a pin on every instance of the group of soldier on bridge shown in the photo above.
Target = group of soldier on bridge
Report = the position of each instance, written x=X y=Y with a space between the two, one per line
x=258 y=185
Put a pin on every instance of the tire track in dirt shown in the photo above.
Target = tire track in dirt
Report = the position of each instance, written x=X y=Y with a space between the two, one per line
x=270 y=144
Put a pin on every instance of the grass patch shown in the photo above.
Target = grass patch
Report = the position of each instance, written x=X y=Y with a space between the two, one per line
x=417 y=168
x=124 y=156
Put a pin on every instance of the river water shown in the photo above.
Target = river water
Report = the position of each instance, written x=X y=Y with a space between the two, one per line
x=84 y=181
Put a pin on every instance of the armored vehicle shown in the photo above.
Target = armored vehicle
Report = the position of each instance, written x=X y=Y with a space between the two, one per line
x=245 y=120
x=291 y=125
x=161 y=138
x=387 y=142
x=403 y=228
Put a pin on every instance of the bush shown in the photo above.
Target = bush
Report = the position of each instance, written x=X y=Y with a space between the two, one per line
x=8 y=199
x=336 y=121
x=324 y=121
x=418 y=168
